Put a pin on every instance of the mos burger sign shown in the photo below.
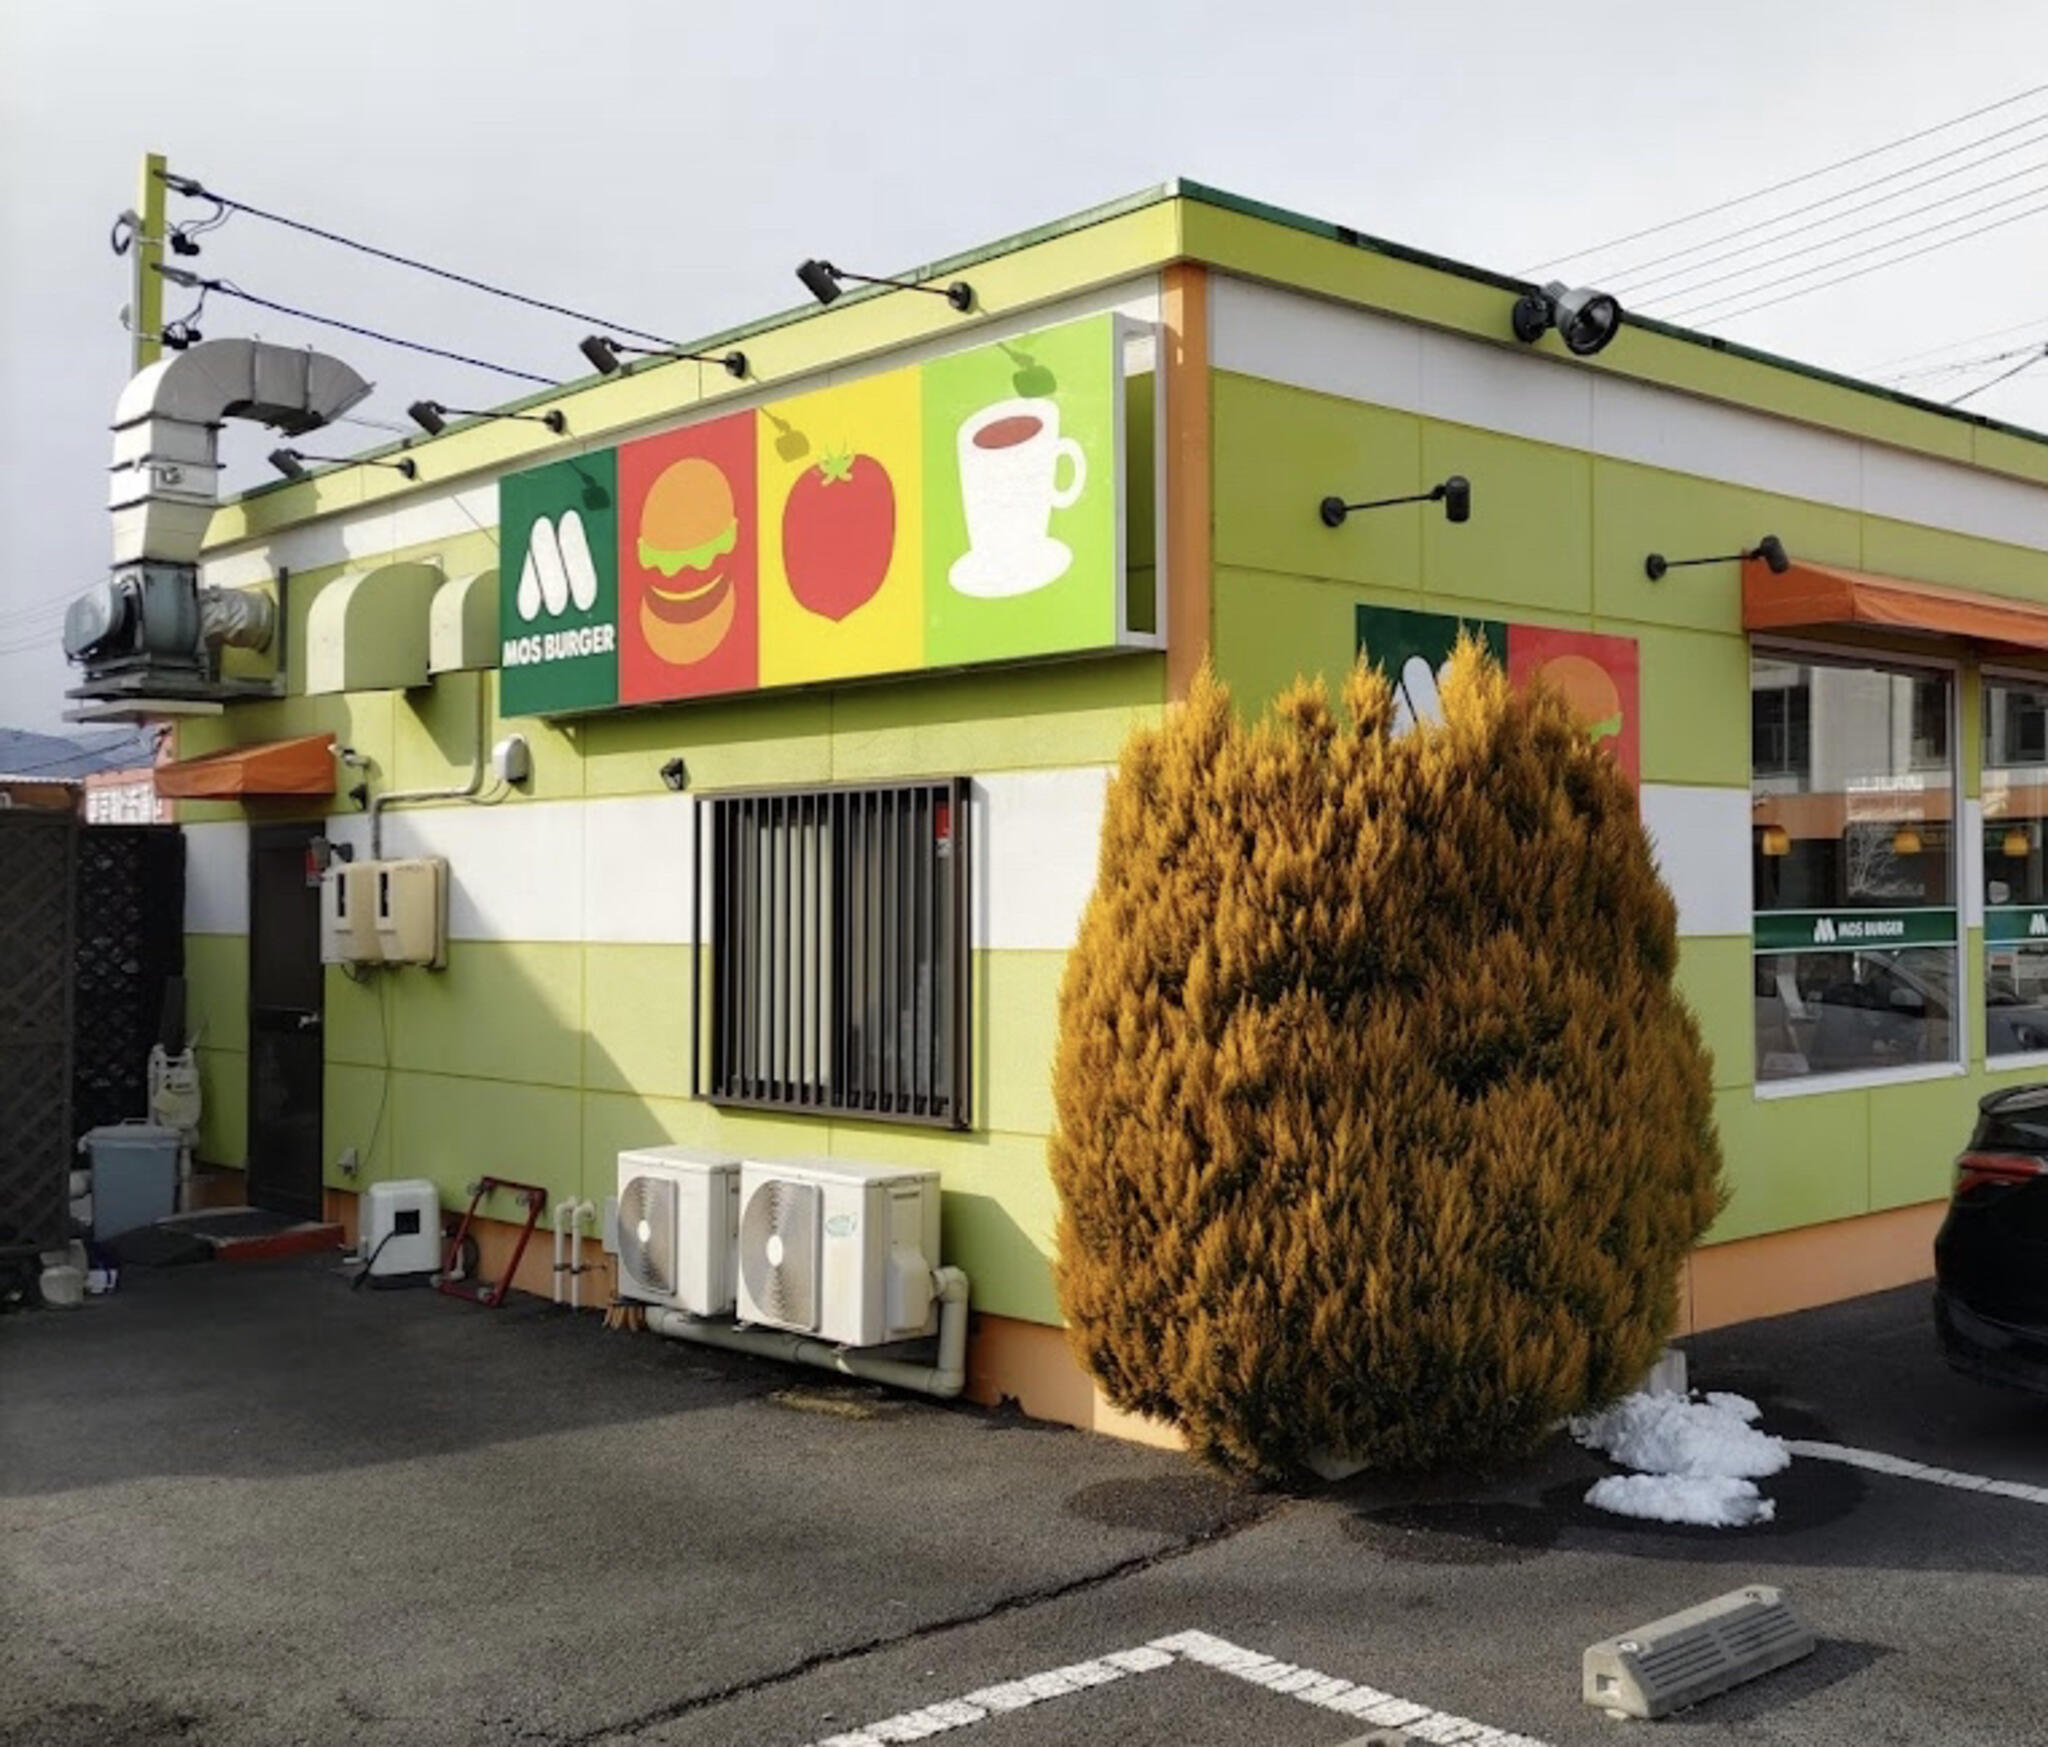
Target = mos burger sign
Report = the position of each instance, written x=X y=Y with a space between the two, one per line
x=971 y=509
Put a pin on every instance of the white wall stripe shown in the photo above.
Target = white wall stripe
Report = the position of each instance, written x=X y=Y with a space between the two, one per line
x=1701 y=837
x=1877 y=1462
x=1325 y=1691
x=1037 y=834
x=1308 y=342
x=217 y=878
x=622 y=869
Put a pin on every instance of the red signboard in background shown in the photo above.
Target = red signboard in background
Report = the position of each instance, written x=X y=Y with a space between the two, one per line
x=1599 y=678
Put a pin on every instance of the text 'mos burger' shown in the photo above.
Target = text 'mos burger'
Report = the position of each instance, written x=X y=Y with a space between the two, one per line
x=688 y=529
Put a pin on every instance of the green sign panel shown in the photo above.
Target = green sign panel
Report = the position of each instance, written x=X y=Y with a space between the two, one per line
x=2016 y=925
x=558 y=604
x=1852 y=930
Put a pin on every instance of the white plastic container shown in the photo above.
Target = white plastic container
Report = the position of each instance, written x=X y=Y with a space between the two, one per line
x=63 y=1287
x=401 y=1227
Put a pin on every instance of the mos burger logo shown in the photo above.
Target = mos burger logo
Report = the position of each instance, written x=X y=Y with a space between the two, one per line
x=558 y=577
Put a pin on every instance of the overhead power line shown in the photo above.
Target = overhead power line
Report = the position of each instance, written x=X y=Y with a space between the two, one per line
x=1625 y=281
x=2018 y=327
x=227 y=288
x=1959 y=365
x=2040 y=352
x=1861 y=231
x=1788 y=182
x=1860 y=272
x=188 y=185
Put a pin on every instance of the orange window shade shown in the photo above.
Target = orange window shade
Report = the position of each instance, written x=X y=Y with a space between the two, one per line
x=1812 y=595
x=276 y=767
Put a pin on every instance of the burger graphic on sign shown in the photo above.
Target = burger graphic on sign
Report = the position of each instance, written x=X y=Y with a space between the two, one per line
x=689 y=527
x=1590 y=690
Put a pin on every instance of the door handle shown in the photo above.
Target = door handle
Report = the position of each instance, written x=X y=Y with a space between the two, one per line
x=309 y=1022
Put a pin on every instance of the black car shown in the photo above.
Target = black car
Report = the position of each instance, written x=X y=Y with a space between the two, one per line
x=1991 y=1255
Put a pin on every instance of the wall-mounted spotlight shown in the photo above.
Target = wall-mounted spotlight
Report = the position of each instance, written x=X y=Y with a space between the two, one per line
x=821 y=279
x=1770 y=549
x=603 y=352
x=675 y=776
x=290 y=462
x=1585 y=319
x=1455 y=494
x=432 y=416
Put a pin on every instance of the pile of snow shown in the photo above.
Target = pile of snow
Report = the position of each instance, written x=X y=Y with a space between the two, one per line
x=1696 y=1459
x=1706 y=1499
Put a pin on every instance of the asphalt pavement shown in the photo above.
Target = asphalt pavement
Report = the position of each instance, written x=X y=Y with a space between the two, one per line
x=243 y=1504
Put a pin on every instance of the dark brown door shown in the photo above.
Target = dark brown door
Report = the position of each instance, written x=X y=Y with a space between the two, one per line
x=285 y=1011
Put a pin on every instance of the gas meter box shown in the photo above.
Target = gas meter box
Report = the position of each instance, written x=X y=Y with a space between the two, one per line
x=348 y=914
x=412 y=911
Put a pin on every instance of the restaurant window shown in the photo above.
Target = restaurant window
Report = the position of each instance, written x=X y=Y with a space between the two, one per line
x=2015 y=791
x=1853 y=857
x=839 y=950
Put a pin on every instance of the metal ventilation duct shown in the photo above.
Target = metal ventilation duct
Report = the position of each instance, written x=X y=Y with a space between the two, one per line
x=150 y=637
x=166 y=471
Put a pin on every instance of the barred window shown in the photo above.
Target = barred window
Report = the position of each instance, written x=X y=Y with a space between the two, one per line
x=838 y=969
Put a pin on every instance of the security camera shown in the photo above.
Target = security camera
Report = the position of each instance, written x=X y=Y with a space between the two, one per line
x=675 y=775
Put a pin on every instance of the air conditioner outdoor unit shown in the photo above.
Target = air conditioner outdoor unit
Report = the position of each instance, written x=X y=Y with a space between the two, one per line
x=839 y=1250
x=677 y=1221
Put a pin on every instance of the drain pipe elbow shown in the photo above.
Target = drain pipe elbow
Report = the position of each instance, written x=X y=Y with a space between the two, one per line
x=944 y=1380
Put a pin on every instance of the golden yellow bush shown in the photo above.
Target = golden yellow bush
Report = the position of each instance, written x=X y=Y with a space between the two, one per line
x=1383 y=1133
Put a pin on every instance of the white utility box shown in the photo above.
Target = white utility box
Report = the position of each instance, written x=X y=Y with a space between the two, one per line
x=412 y=911
x=401 y=1227
x=348 y=914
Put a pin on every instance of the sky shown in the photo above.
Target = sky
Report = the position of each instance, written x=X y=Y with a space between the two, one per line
x=666 y=166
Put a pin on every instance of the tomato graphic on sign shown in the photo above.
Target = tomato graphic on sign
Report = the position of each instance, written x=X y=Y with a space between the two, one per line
x=838 y=533
x=841 y=488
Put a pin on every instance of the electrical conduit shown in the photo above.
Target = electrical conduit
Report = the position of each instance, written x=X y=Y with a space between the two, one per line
x=946 y=1379
x=468 y=792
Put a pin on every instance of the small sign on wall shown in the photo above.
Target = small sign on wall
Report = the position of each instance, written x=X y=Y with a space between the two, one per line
x=1597 y=673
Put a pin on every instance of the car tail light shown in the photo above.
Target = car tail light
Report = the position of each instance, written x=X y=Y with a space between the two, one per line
x=1976 y=1170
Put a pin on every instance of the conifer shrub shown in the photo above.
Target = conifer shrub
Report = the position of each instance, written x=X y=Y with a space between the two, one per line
x=1383 y=1132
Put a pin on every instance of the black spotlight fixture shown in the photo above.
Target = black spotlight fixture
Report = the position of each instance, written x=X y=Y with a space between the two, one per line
x=822 y=280
x=1585 y=320
x=1455 y=494
x=432 y=416
x=603 y=352
x=291 y=463
x=1770 y=549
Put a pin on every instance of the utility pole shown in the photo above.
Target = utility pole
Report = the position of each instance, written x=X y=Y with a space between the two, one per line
x=146 y=306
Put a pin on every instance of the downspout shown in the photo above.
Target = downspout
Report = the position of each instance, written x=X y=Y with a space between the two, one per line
x=407 y=797
x=946 y=1379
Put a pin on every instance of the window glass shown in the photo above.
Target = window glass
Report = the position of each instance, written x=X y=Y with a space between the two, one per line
x=2015 y=877
x=1853 y=866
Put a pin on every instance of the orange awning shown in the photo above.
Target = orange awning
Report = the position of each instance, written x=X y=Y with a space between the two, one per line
x=275 y=767
x=1809 y=596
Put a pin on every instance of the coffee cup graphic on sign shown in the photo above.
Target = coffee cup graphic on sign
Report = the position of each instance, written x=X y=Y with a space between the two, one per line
x=1010 y=466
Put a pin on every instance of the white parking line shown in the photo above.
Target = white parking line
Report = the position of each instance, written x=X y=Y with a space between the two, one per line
x=1326 y=1691
x=1877 y=1462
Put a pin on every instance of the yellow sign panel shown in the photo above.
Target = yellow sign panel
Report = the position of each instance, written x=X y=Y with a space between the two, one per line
x=842 y=532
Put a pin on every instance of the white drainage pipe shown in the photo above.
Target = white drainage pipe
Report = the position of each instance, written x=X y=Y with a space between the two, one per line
x=567 y=1205
x=577 y=1215
x=946 y=1379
